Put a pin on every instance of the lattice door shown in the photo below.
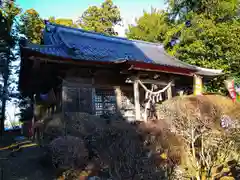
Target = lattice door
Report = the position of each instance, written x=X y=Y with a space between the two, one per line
x=85 y=100
x=105 y=102
x=77 y=99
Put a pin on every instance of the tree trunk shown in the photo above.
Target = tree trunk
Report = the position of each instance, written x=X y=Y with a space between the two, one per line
x=4 y=97
x=3 y=116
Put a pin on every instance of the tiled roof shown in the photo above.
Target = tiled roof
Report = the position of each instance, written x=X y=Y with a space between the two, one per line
x=84 y=45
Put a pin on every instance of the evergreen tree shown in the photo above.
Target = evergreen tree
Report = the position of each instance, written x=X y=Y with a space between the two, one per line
x=203 y=33
x=8 y=40
x=101 y=19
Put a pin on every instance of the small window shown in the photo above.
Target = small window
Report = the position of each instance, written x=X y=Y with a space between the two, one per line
x=98 y=105
x=105 y=102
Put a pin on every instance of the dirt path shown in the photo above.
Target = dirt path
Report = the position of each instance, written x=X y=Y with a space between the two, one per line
x=24 y=165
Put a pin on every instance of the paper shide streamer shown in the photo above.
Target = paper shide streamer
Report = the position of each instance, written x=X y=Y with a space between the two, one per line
x=152 y=97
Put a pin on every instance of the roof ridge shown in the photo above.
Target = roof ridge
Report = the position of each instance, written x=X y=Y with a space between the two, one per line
x=104 y=35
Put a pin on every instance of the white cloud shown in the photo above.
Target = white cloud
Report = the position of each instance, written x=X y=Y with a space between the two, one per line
x=120 y=30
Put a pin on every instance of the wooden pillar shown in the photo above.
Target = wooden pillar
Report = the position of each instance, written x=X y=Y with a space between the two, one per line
x=197 y=85
x=136 y=99
x=169 y=92
x=34 y=118
x=118 y=94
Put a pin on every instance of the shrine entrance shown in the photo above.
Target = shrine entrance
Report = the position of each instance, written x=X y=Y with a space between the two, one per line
x=155 y=91
x=154 y=96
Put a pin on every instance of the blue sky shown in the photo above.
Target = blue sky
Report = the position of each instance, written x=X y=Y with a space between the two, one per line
x=130 y=9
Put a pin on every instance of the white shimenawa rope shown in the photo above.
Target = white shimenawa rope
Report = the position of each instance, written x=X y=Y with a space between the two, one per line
x=152 y=96
x=155 y=93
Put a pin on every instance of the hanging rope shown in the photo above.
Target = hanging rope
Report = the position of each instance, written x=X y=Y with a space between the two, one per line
x=152 y=97
x=154 y=93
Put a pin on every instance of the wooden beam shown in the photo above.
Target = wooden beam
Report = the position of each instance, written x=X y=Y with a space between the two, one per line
x=150 y=81
x=78 y=63
x=136 y=99
x=139 y=66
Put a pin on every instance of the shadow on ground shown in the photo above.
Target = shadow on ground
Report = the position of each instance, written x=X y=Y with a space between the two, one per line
x=23 y=162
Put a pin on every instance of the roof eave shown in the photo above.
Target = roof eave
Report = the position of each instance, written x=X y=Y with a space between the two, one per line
x=208 y=72
x=135 y=65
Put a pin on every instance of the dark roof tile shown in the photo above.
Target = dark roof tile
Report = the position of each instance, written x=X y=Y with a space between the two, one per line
x=84 y=45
